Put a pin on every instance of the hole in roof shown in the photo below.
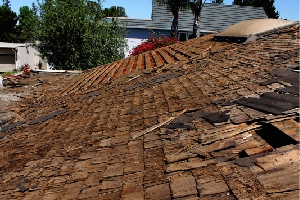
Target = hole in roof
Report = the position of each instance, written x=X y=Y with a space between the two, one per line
x=243 y=154
x=275 y=137
x=247 y=28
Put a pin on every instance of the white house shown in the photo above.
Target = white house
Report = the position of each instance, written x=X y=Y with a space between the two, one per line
x=214 y=18
x=14 y=55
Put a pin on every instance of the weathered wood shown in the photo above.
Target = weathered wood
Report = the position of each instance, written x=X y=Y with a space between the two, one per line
x=157 y=60
x=226 y=132
x=138 y=134
x=242 y=182
x=138 y=63
x=279 y=160
x=259 y=150
x=199 y=149
x=176 y=55
x=222 y=144
x=283 y=180
x=183 y=166
x=220 y=196
x=289 y=127
x=176 y=157
x=285 y=195
x=159 y=192
x=186 y=53
x=183 y=185
x=165 y=56
x=113 y=71
x=210 y=181
x=127 y=67
x=148 y=63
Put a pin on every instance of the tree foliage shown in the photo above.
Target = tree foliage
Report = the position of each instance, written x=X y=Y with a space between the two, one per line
x=73 y=35
x=6 y=3
x=8 y=21
x=115 y=11
x=28 y=23
x=268 y=6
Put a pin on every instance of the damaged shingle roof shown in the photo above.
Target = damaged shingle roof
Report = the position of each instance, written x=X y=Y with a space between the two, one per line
x=200 y=119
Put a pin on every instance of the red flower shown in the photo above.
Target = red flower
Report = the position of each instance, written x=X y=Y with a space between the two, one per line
x=152 y=43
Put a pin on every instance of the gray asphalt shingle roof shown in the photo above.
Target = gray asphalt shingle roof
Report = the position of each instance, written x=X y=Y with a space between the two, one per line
x=214 y=17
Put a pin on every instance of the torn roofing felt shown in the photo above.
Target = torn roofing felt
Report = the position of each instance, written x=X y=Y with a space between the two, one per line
x=284 y=99
x=271 y=102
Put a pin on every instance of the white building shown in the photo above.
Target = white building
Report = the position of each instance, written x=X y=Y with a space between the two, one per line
x=14 y=55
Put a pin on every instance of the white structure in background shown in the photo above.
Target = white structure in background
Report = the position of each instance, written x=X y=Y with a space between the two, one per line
x=14 y=55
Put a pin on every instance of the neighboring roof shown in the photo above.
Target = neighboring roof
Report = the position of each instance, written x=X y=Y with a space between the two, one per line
x=214 y=17
x=200 y=119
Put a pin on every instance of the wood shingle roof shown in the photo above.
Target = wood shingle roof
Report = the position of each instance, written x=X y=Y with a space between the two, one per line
x=200 y=119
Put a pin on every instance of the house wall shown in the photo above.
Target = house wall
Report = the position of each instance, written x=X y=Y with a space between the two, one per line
x=136 y=36
x=29 y=55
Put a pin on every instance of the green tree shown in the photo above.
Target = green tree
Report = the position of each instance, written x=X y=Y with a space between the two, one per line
x=28 y=23
x=8 y=21
x=268 y=6
x=174 y=6
x=73 y=35
x=6 y=3
x=115 y=11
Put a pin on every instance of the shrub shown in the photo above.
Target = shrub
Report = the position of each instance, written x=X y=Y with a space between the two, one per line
x=152 y=43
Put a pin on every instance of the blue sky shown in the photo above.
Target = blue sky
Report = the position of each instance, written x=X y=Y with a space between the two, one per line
x=288 y=9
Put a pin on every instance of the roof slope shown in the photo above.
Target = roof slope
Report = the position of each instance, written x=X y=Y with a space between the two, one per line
x=198 y=119
x=214 y=17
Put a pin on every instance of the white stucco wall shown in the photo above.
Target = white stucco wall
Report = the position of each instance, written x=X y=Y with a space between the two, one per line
x=132 y=42
x=14 y=55
x=137 y=36
x=27 y=55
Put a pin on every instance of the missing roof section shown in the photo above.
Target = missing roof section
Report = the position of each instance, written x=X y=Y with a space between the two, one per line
x=275 y=137
x=250 y=30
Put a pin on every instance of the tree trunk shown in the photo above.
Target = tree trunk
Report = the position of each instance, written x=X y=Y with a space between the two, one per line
x=196 y=28
x=174 y=27
x=196 y=25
